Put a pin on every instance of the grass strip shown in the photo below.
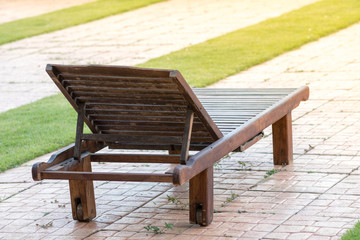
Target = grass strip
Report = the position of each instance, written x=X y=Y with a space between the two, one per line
x=35 y=129
x=352 y=234
x=64 y=18
x=49 y=124
x=218 y=58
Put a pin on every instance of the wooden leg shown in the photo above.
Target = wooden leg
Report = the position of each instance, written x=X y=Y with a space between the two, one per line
x=82 y=196
x=282 y=141
x=201 y=199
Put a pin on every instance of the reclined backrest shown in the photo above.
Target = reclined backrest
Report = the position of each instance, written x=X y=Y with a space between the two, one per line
x=146 y=108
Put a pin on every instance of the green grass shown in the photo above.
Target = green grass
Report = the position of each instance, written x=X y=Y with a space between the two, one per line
x=49 y=124
x=210 y=61
x=49 y=22
x=352 y=234
x=35 y=129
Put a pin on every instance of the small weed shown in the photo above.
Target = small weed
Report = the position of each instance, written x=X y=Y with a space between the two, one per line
x=218 y=165
x=45 y=226
x=157 y=230
x=230 y=199
x=177 y=202
x=227 y=156
x=61 y=205
x=268 y=213
x=310 y=172
x=242 y=211
x=45 y=214
x=169 y=225
x=55 y=201
x=233 y=196
x=271 y=172
x=242 y=164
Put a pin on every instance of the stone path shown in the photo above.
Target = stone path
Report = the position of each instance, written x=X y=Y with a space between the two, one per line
x=315 y=198
x=125 y=39
x=11 y=10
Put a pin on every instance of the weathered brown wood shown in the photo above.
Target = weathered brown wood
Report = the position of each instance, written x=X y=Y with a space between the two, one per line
x=130 y=107
x=196 y=105
x=61 y=156
x=132 y=138
x=119 y=84
x=100 y=176
x=135 y=158
x=187 y=136
x=155 y=146
x=137 y=108
x=91 y=112
x=53 y=75
x=108 y=70
x=214 y=152
x=282 y=141
x=82 y=194
x=201 y=200
x=135 y=95
x=106 y=90
x=131 y=100
x=115 y=78
x=79 y=131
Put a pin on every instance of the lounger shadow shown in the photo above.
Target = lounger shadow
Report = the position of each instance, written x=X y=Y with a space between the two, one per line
x=153 y=109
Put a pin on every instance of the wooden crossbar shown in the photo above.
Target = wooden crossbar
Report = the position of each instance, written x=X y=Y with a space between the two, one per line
x=100 y=176
x=135 y=158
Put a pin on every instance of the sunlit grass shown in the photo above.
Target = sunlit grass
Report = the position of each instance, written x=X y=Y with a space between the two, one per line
x=35 y=129
x=49 y=22
x=352 y=234
x=210 y=61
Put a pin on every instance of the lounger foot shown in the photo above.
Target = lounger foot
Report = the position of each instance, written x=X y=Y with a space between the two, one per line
x=282 y=141
x=82 y=196
x=201 y=198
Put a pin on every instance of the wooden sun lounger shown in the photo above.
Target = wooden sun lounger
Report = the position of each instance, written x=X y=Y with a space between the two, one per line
x=152 y=109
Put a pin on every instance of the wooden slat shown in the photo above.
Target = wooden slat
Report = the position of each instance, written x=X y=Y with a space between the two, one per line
x=90 y=112
x=130 y=100
x=97 y=176
x=79 y=131
x=187 y=136
x=106 y=90
x=110 y=106
x=214 y=152
x=132 y=138
x=119 y=84
x=115 y=78
x=135 y=95
x=135 y=158
x=108 y=70
x=195 y=105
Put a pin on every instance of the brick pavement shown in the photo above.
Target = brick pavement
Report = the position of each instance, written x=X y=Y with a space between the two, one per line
x=315 y=198
x=126 y=39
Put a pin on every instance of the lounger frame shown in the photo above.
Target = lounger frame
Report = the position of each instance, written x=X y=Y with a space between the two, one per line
x=138 y=108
